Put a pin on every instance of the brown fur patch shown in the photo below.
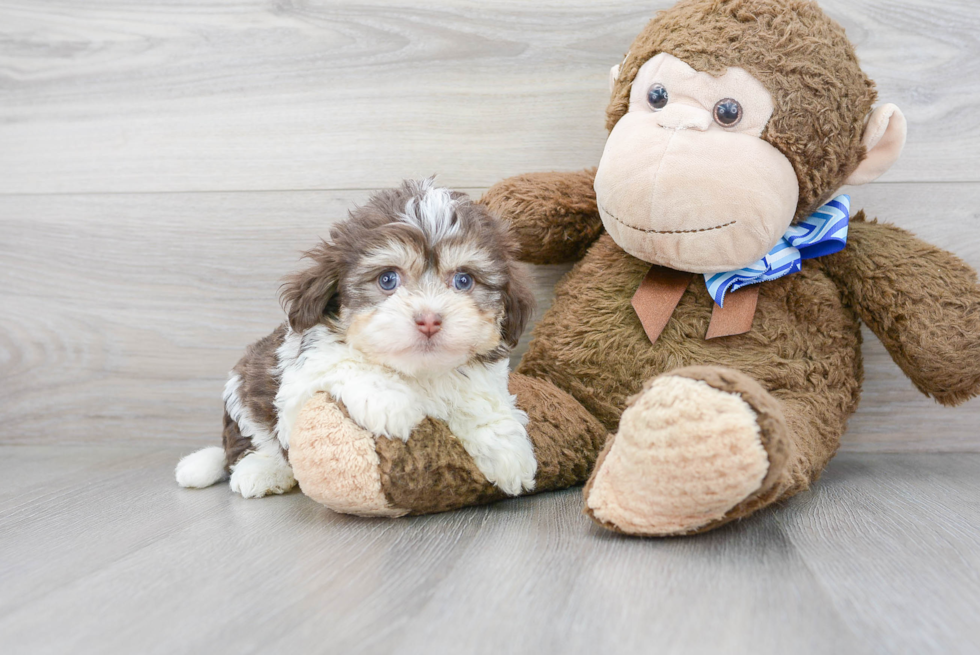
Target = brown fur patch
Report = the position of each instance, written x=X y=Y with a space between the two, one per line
x=234 y=443
x=518 y=303
x=257 y=392
x=311 y=295
x=803 y=58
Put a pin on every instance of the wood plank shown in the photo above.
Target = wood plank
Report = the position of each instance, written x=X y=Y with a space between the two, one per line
x=590 y=591
x=892 y=541
x=122 y=313
x=157 y=556
x=119 y=96
x=880 y=557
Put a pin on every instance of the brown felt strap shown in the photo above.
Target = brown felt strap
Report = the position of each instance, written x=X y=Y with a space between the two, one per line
x=737 y=314
x=657 y=297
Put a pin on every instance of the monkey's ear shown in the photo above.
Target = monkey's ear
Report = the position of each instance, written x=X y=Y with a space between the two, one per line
x=884 y=138
x=613 y=76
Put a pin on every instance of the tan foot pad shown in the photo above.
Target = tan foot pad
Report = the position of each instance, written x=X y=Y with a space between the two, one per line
x=686 y=453
x=335 y=461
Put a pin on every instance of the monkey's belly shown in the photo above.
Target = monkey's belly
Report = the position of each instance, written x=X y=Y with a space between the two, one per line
x=592 y=345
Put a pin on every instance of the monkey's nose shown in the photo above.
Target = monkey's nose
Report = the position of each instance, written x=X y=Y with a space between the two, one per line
x=684 y=117
x=428 y=324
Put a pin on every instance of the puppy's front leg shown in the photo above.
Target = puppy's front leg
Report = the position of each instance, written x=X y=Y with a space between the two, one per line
x=261 y=473
x=382 y=405
x=500 y=448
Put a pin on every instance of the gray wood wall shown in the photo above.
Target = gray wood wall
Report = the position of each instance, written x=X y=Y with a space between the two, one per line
x=162 y=165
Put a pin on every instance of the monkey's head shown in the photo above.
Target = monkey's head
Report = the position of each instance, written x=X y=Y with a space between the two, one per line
x=730 y=120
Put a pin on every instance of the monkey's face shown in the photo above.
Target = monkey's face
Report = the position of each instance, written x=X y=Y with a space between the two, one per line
x=685 y=180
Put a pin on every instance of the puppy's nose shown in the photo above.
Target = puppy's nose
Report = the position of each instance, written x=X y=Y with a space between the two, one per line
x=428 y=323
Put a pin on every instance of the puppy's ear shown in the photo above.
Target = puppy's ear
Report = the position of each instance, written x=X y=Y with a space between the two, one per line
x=518 y=305
x=312 y=294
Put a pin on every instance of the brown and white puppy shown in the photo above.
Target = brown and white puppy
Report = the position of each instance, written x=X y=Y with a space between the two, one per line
x=409 y=310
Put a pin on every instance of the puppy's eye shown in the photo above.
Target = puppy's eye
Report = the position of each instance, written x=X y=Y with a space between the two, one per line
x=728 y=112
x=657 y=96
x=388 y=280
x=463 y=281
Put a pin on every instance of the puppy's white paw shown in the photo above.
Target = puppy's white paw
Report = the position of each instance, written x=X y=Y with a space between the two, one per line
x=259 y=474
x=504 y=454
x=388 y=412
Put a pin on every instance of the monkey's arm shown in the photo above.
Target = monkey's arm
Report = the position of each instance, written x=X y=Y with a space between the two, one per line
x=553 y=215
x=921 y=301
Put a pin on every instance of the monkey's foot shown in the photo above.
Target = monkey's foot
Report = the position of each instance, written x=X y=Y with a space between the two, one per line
x=697 y=448
x=335 y=461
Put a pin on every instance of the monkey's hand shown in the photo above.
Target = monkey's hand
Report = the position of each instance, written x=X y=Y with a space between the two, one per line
x=921 y=301
x=553 y=215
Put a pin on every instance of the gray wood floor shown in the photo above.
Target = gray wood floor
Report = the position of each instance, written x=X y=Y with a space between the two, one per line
x=161 y=166
x=101 y=552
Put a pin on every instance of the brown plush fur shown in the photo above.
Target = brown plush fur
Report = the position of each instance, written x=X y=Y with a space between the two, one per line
x=820 y=94
x=553 y=214
x=919 y=300
x=566 y=441
x=804 y=347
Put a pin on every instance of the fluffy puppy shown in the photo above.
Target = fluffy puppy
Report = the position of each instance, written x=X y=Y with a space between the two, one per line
x=409 y=310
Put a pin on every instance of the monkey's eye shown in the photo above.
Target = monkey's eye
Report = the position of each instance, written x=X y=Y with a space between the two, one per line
x=388 y=280
x=657 y=96
x=463 y=281
x=728 y=112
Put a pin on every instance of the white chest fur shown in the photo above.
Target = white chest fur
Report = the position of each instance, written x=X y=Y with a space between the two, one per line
x=472 y=399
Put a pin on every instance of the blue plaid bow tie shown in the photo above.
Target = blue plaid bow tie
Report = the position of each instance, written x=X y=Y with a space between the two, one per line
x=824 y=232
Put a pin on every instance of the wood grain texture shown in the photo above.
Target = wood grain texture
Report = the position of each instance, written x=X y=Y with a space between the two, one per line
x=118 y=96
x=102 y=552
x=889 y=537
x=123 y=313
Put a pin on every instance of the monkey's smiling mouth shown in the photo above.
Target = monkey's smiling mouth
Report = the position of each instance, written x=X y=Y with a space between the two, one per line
x=640 y=229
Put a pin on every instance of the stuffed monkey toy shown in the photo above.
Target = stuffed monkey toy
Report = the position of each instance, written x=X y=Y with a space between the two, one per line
x=702 y=357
